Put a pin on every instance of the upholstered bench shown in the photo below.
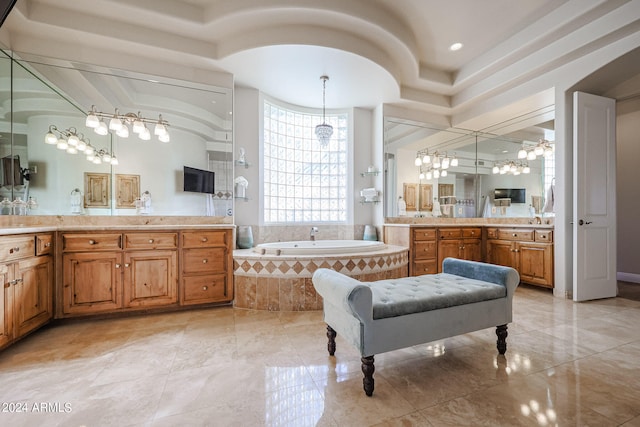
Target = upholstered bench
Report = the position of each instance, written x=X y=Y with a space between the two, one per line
x=387 y=315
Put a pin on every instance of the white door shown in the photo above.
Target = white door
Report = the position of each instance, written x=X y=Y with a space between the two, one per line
x=594 y=197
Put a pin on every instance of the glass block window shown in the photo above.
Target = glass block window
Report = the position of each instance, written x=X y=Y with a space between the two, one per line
x=549 y=175
x=303 y=182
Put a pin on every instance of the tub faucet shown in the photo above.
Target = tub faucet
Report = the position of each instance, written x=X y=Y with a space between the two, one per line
x=312 y=234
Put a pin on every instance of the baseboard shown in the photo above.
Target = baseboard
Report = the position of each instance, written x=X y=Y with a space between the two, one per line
x=628 y=277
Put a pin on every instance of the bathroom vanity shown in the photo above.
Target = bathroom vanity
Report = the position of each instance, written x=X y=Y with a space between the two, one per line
x=526 y=247
x=64 y=267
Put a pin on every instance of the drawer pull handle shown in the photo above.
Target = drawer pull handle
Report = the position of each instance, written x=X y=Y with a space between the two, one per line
x=204 y=261
x=150 y=240
x=117 y=265
x=204 y=239
x=204 y=288
x=92 y=242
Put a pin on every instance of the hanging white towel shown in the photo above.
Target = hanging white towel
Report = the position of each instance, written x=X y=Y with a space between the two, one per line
x=548 y=200
x=210 y=208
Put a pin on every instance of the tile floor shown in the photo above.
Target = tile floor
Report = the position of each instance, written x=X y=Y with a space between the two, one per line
x=566 y=364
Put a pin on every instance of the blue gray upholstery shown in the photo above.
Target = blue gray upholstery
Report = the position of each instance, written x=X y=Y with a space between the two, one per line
x=377 y=317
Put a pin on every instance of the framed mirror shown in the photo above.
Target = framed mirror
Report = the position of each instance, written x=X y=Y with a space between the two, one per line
x=487 y=173
x=53 y=97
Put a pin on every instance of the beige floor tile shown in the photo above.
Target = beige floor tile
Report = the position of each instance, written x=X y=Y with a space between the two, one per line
x=567 y=364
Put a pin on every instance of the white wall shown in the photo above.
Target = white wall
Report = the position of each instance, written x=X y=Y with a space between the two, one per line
x=628 y=195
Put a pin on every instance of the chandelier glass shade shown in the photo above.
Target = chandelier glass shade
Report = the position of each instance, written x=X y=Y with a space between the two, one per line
x=324 y=130
x=119 y=123
x=434 y=166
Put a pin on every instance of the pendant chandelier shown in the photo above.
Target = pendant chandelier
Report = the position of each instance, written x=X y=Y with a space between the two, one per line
x=324 y=131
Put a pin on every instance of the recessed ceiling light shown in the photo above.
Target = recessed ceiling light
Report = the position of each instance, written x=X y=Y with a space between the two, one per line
x=505 y=151
x=455 y=46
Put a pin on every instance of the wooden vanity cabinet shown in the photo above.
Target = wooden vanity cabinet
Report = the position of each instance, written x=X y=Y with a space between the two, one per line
x=26 y=271
x=206 y=267
x=530 y=251
x=462 y=243
x=91 y=273
x=423 y=253
x=150 y=269
x=106 y=272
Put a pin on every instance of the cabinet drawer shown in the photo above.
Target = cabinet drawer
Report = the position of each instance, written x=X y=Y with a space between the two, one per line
x=44 y=244
x=151 y=240
x=424 y=267
x=449 y=233
x=203 y=289
x=424 y=250
x=91 y=242
x=472 y=232
x=520 y=234
x=202 y=239
x=17 y=247
x=424 y=234
x=544 y=236
x=207 y=260
x=492 y=233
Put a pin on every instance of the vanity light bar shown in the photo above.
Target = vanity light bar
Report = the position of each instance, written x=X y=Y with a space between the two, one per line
x=73 y=142
x=119 y=123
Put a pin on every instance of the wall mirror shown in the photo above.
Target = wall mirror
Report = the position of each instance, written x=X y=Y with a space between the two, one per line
x=452 y=172
x=43 y=95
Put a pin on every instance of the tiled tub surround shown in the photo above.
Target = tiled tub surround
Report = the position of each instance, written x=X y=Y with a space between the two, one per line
x=283 y=283
x=287 y=233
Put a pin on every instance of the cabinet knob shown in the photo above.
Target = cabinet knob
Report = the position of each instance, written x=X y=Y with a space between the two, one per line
x=204 y=261
x=514 y=235
x=150 y=240
x=204 y=239
x=92 y=242
x=204 y=288
x=117 y=265
x=516 y=250
x=16 y=249
x=126 y=264
x=48 y=244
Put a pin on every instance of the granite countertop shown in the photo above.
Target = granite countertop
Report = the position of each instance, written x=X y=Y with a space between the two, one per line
x=467 y=222
x=19 y=229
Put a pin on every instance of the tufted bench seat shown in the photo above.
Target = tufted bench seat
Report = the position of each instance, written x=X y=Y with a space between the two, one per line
x=387 y=315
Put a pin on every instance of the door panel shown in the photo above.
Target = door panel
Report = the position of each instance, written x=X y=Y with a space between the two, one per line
x=33 y=301
x=594 y=197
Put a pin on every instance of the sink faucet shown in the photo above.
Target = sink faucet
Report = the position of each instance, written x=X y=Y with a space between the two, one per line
x=312 y=234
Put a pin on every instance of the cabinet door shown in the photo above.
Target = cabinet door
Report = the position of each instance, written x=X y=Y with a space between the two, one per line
x=92 y=282
x=472 y=249
x=150 y=278
x=536 y=263
x=33 y=302
x=6 y=305
x=448 y=248
x=501 y=252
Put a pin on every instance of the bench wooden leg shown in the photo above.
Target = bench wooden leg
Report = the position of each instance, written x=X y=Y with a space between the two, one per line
x=331 y=345
x=368 y=369
x=501 y=332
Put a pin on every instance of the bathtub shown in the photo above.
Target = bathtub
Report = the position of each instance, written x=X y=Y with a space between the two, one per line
x=319 y=247
x=277 y=276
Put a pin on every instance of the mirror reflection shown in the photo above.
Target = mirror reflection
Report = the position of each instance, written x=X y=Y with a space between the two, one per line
x=504 y=171
x=51 y=157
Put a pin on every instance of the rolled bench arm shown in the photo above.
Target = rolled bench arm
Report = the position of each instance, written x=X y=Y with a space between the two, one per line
x=500 y=275
x=344 y=292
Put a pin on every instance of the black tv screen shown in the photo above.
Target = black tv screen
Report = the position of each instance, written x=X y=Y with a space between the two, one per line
x=198 y=180
x=517 y=195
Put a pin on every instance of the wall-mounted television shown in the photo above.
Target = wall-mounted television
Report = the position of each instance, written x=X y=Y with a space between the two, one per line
x=517 y=195
x=198 y=180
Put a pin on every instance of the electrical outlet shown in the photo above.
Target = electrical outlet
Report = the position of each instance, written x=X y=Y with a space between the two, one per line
x=493 y=209
x=460 y=210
